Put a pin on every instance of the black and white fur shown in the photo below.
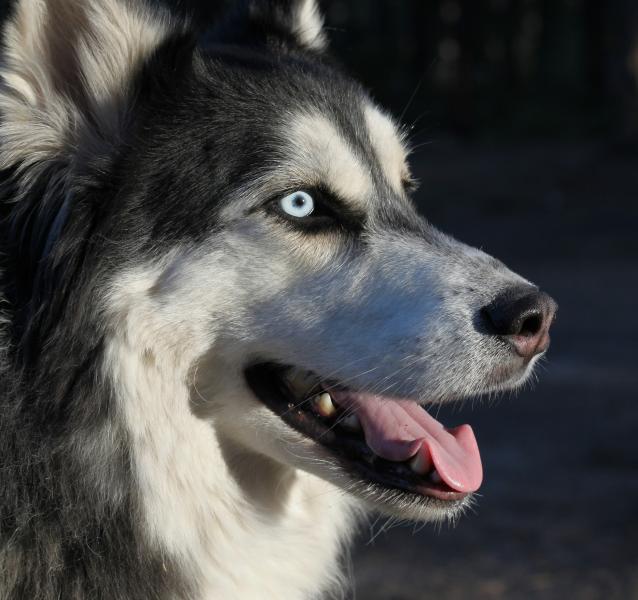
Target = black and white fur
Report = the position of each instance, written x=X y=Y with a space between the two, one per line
x=144 y=267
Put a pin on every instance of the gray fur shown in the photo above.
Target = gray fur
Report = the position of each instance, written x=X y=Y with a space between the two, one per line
x=147 y=264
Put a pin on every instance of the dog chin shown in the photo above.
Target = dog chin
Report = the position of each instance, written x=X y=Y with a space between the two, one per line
x=401 y=504
x=298 y=452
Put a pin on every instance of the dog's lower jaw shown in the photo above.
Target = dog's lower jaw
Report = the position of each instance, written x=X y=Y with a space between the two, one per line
x=238 y=524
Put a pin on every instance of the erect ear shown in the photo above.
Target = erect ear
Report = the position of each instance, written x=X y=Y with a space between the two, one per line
x=66 y=72
x=291 y=23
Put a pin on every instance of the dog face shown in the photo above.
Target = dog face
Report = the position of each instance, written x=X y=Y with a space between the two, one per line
x=259 y=232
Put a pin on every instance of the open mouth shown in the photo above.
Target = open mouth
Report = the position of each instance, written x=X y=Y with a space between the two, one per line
x=392 y=443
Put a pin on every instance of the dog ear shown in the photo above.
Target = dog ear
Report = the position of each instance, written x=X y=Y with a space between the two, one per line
x=283 y=23
x=65 y=75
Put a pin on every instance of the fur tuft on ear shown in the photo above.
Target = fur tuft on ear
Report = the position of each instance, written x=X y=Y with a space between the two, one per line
x=300 y=18
x=65 y=76
x=286 y=23
x=310 y=26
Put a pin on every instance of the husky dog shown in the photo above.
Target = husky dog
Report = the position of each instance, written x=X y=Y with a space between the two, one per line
x=221 y=314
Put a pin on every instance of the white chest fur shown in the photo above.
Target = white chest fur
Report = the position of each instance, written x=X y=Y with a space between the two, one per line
x=239 y=524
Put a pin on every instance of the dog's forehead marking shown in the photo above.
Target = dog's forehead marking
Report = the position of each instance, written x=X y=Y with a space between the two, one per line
x=320 y=154
x=388 y=146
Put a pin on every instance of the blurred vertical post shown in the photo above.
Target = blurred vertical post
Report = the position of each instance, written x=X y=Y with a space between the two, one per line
x=617 y=22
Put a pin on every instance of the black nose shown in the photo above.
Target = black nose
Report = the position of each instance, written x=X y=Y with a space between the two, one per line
x=523 y=316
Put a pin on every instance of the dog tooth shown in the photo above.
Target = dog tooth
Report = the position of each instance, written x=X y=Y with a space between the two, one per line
x=351 y=422
x=324 y=405
x=435 y=477
x=418 y=464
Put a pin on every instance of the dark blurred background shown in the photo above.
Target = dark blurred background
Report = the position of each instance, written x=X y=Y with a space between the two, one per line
x=497 y=69
x=524 y=119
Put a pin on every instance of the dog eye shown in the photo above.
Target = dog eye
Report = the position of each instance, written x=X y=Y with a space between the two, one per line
x=298 y=204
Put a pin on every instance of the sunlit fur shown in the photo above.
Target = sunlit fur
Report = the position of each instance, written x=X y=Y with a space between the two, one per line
x=144 y=269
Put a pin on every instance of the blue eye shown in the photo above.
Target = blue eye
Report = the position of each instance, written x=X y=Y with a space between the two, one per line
x=298 y=204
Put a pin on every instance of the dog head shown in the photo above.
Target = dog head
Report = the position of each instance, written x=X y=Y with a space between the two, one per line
x=245 y=209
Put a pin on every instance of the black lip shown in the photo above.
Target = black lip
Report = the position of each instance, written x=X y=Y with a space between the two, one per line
x=267 y=383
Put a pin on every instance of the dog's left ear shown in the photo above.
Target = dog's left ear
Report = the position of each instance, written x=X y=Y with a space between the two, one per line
x=283 y=23
x=66 y=76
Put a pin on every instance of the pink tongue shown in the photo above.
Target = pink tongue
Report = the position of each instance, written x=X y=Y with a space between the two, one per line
x=398 y=429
